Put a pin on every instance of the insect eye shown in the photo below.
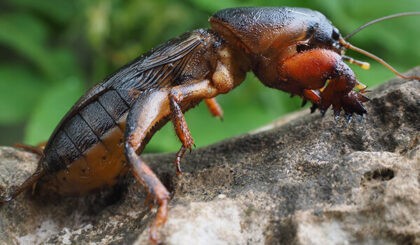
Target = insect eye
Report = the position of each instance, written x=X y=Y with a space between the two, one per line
x=335 y=34
x=310 y=31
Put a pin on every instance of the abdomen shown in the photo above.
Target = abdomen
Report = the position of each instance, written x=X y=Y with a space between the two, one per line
x=86 y=151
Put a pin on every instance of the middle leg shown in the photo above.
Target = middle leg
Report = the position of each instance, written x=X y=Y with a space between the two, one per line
x=187 y=94
x=181 y=127
x=214 y=107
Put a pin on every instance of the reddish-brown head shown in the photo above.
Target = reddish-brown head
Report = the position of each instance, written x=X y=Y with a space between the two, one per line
x=293 y=49
x=270 y=35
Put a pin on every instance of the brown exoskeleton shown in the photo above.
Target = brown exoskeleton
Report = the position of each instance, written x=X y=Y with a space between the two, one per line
x=291 y=49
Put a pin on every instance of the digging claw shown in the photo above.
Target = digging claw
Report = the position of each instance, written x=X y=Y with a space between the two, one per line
x=350 y=103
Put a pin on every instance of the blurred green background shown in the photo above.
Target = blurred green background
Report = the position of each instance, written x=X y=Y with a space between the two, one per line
x=54 y=50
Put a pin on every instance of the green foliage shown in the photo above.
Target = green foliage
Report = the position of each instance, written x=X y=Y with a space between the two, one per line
x=19 y=89
x=57 y=99
x=54 y=50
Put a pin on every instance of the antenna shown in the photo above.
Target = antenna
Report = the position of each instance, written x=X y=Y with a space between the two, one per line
x=379 y=20
x=374 y=57
x=365 y=65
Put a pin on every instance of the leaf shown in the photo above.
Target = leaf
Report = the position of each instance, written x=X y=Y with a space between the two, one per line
x=20 y=89
x=26 y=35
x=212 y=6
x=52 y=107
x=67 y=64
x=59 y=11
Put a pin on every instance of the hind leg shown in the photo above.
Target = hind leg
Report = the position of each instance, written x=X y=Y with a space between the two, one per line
x=156 y=189
x=30 y=182
x=38 y=149
x=146 y=116
x=146 y=113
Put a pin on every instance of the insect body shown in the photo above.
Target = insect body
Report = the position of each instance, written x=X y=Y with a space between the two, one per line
x=291 y=49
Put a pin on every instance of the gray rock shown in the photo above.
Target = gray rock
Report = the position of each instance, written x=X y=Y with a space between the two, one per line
x=308 y=180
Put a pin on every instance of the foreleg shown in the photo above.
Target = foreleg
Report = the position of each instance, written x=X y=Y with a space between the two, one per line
x=321 y=76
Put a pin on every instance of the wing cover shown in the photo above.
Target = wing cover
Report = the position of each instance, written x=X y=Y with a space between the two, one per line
x=156 y=69
x=150 y=70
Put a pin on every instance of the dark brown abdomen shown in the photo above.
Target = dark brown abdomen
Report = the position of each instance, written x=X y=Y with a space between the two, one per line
x=86 y=152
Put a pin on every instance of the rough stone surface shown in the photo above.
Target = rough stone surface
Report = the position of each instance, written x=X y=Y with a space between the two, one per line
x=309 y=180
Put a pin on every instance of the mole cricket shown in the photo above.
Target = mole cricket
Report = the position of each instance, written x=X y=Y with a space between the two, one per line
x=295 y=50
